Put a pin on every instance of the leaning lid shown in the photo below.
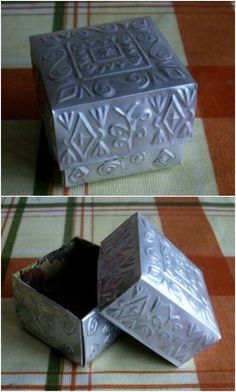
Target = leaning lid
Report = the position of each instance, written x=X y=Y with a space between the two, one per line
x=152 y=291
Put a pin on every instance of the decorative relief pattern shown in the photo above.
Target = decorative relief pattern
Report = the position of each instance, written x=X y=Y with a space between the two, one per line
x=118 y=262
x=129 y=128
x=175 y=274
x=163 y=118
x=106 y=333
x=59 y=329
x=164 y=158
x=133 y=50
x=158 y=324
x=48 y=322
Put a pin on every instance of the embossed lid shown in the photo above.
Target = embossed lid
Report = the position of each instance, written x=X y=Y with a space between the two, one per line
x=152 y=291
x=106 y=61
x=101 y=83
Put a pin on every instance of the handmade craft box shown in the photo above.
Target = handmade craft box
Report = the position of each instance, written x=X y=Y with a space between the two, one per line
x=56 y=301
x=115 y=99
x=150 y=290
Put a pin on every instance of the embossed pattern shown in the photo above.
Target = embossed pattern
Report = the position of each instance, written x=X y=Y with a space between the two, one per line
x=84 y=69
x=162 y=119
x=159 y=324
x=167 y=307
x=124 y=165
x=134 y=56
x=79 y=336
x=118 y=264
x=48 y=321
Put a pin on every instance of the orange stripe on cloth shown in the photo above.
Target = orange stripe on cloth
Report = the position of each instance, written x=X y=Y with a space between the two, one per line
x=194 y=236
x=208 y=36
x=221 y=355
x=215 y=90
x=220 y=137
x=208 y=40
x=191 y=232
x=15 y=264
x=19 y=100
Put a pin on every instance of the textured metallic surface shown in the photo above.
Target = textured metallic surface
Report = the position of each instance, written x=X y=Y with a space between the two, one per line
x=113 y=90
x=149 y=289
x=80 y=340
x=123 y=166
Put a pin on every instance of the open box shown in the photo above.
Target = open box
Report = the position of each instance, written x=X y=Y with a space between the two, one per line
x=56 y=301
x=79 y=297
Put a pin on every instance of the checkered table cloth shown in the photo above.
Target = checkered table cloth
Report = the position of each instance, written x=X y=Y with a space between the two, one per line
x=202 y=228
x=202 y=34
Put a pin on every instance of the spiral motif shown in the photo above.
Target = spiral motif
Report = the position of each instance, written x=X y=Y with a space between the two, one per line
x=145 y=331
x=69 y=350
x=137 y=158
x=108 y=329
x=59 y=69
x=109 y=167
x=92 y=326
x=104 y=89
x=153 y=254
x=79 y=33
x=161 y=53
x=67 y=325
x=141 y=80
x=146 y=36
x=47 y=326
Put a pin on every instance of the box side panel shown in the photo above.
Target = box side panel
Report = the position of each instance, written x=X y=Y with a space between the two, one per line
x=158 y=158
x=119 y=261
x=98 y=333
x=48 y=321
x=169 y=271
x=136 y=124
x=155 y=321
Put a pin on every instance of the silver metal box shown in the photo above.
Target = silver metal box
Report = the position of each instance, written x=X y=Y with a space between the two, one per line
x=115 y=99
x=152 y=291
x=56 y=301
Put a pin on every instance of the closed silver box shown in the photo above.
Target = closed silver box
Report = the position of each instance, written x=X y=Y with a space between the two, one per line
x=113 y=94
x=152 y=291
x=56 y=301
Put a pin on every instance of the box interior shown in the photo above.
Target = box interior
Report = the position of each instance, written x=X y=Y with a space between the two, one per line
x=68 y=276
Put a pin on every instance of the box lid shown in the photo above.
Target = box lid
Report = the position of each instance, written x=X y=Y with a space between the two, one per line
x=114 y=88
x=152 y=291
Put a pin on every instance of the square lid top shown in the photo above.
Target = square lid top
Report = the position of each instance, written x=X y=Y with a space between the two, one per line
x=106 y=61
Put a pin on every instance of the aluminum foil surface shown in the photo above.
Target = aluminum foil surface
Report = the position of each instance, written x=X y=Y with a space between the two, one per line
x=55 y=302
x=151 y=290
x=110 y=90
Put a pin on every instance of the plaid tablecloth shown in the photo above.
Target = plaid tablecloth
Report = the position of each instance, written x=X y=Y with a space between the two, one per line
x=202 y=228
x=202 y=34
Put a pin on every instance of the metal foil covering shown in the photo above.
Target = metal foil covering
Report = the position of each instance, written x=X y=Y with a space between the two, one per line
x=54 y=302
x=152 y=291
x=111 y=90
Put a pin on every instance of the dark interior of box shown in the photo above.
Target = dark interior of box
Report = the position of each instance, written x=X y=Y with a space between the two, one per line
x=74 y=284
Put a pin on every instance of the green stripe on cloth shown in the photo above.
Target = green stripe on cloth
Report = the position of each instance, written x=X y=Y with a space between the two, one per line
x=9 y=244
x=55 y=359
x=58 y=22
x=44 y=167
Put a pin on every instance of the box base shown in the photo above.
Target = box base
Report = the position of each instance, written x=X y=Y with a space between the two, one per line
x=123 y=166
